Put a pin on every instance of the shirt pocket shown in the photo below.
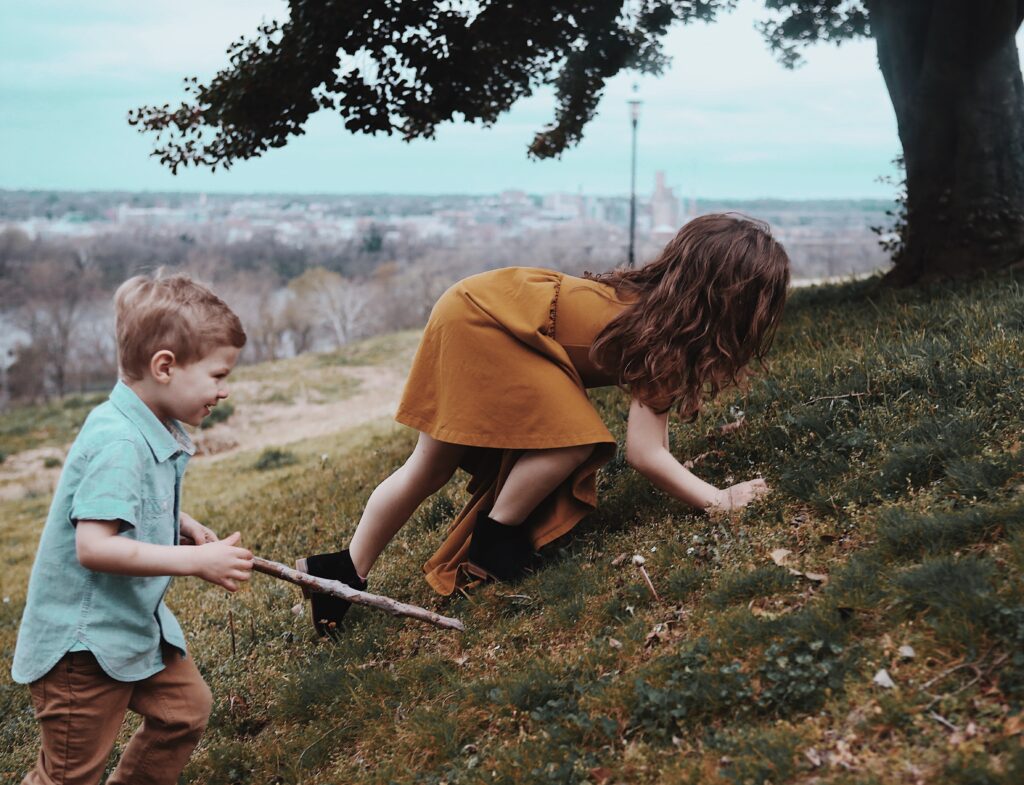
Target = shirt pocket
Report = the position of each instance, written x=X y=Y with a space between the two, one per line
x=157 y=519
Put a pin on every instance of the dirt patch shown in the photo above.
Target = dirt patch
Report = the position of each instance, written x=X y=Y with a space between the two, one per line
x=259 y=425
x=31 y=472
x=253 y=426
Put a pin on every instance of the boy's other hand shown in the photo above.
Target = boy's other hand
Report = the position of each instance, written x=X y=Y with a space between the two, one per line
x=192 y=532
x=223 y=563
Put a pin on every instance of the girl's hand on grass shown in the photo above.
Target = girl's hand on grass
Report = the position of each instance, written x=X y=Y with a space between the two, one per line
x=737 y=496
x=222 y=562
x=192 y=532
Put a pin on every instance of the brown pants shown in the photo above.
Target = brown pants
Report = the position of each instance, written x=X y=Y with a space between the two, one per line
x=80 y=710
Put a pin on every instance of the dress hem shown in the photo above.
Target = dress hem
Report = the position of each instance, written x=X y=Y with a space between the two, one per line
x=451 y=436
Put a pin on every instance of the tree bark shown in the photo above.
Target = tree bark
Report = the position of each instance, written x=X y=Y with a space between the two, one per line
x=953 y=74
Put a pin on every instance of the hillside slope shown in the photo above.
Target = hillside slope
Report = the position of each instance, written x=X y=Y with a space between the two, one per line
x=864 y=624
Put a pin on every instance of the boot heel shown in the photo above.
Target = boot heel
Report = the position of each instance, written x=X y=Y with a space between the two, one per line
x=477 y=571
x=498 y=552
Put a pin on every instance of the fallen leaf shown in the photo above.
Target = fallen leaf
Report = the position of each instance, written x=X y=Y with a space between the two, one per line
x=906 y=652
x=764 y=614
x=615 y=644
x=883 y=679
x=619 y=559
x=779 y=556
x=656 y=635
x=843 y=755
x=1014 y=726
x=729 y=427
x=600 y=774
x=700 y=458
x=813 y=756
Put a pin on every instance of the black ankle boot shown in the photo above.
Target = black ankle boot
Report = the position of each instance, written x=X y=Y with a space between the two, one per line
x=328 y=611
x=499 y=552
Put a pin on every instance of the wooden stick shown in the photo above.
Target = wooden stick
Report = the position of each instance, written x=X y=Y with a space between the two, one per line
x=647 y=580
x=339 y=589
x=231 y=626
x=943 y=721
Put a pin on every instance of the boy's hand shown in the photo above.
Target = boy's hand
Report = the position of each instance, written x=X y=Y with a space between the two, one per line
x=740 y=495
x=222 y=562
x=192 y=532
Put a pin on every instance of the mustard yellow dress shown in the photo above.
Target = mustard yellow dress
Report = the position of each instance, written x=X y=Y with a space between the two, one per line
x=503 y=367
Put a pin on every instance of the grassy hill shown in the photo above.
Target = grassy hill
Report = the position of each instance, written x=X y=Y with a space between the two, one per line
x=864 y=624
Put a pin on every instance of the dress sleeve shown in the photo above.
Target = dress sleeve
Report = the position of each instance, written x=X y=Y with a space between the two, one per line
x=110 y=488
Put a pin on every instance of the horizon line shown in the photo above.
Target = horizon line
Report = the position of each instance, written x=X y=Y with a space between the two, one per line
x=355 y=194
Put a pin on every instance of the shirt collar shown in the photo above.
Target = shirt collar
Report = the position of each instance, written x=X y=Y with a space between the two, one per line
x=161 y=441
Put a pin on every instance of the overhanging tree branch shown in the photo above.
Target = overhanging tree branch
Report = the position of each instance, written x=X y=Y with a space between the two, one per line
x=406 y=66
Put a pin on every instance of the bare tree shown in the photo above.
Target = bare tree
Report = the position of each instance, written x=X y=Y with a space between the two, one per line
x=342 y=305
x=50 y=295
x=259 y=301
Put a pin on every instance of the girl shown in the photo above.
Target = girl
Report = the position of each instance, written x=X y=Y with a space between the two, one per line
x=498 y=387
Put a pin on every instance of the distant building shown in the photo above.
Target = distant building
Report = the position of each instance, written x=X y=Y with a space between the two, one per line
x=664 y=209
x=513 y=198
x=564 y=206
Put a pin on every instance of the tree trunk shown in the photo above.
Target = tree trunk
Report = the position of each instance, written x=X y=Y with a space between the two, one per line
x=954 y=77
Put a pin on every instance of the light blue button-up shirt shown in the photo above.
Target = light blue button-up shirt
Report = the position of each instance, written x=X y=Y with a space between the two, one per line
x=127 y=466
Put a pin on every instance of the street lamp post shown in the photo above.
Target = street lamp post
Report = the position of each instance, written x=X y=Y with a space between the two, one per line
x=634 y=116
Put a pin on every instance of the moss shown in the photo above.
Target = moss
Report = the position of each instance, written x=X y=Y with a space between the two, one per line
x=747 y=585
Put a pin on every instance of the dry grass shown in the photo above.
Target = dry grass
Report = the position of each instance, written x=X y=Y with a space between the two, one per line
x=891 y=427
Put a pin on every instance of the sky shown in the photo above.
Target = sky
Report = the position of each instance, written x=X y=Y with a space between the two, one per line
x=725 y=121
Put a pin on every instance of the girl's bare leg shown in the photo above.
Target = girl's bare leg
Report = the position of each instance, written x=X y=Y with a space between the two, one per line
x=393 y=502
x=536 y=474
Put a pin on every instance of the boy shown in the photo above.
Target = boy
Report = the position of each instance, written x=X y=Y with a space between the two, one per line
x=96 y=638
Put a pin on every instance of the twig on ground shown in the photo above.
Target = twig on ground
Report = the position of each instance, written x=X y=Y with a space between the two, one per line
x=943 y=721
x=339 y=589
x=639 y=560
x=838 y=397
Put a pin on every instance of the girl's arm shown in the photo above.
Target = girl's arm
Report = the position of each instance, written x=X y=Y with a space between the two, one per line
x=647 y=452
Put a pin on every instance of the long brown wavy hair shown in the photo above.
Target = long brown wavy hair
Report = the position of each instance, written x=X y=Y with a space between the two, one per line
x=707 y=306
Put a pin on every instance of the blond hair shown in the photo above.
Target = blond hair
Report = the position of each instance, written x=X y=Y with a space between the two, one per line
x=174 y=313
